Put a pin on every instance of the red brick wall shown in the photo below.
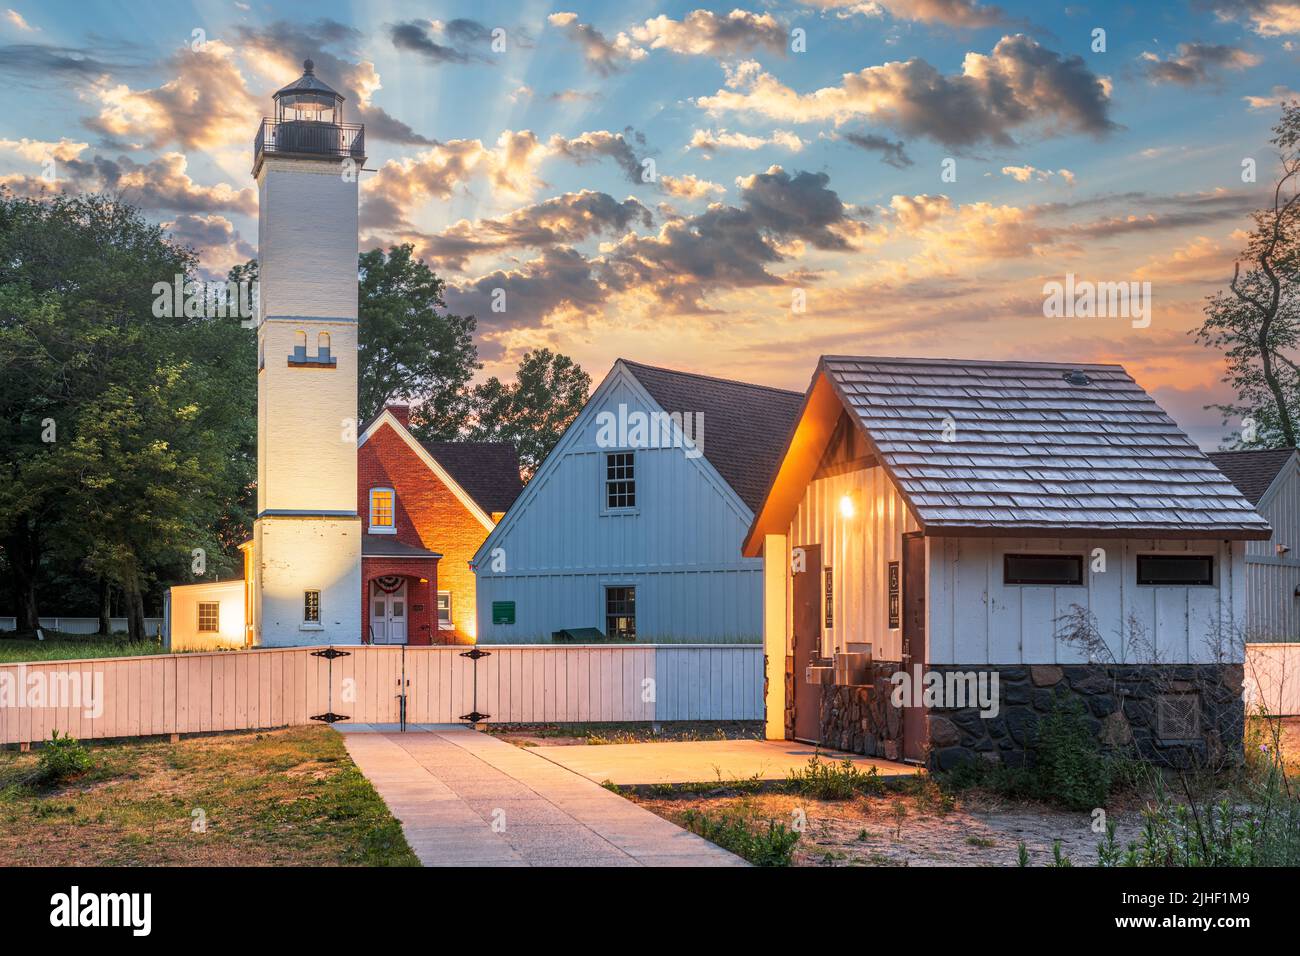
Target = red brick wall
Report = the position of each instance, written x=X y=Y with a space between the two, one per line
x=429 y=516
x=421 y=606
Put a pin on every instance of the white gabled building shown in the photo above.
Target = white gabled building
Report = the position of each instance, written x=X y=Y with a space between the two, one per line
x=632 y=526
x=1269 y=478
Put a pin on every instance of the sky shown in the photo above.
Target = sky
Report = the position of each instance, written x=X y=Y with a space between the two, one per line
x=727 y=190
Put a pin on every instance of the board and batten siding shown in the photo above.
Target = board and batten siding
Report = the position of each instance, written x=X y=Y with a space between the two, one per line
x=680 y=548
x=974 y=618
x=858 y=550
x=1272 y=578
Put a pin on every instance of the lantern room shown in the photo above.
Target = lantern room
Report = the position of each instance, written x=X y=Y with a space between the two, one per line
x=308 y=123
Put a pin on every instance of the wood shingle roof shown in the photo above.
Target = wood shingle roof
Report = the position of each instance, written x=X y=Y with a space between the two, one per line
x=997 y=447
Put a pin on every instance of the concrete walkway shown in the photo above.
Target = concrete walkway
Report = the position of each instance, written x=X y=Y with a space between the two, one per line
x=705 y=761
x=467 y=799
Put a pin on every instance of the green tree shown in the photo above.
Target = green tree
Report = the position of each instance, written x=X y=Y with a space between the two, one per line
x=532 y=412
x=410 y=348
x=118 y=420
x=1256 y=322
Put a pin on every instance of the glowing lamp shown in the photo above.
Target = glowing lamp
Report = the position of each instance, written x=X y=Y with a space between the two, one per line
x=847 y=508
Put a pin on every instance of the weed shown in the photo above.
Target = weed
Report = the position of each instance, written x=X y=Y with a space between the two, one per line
x=63 y=758
x=771 y=844
x=823 y=780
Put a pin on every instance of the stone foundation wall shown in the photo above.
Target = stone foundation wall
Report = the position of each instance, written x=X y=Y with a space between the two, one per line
x=1130 y=708
x=860 y=719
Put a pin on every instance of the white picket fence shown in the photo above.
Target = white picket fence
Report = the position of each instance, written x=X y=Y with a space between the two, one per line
x=244 y=690
x=84 y=625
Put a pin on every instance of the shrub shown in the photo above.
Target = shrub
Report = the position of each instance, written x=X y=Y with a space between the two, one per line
x=62 y=758
x=833 y=781
x=1069 y=766
x=770 y=845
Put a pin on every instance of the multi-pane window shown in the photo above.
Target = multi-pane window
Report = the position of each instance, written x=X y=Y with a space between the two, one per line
x=311 y=607
x=620 y=480
x=381 y=509
x=1175 y=569
x=444 y=609
x=209 y=616
x=1052 y=570
x=620 y=613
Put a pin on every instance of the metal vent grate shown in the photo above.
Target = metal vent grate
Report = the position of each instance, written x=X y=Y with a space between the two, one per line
x=1178 y=716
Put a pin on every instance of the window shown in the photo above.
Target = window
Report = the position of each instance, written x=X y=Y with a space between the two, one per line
x=311 y=607
x=300 y=346
x=444 y=610
x=1053 y=570
x=209 y=616
x=620 y=613
x=323 y=347
x=382 y=501
x=1175 y=569
x=620 y=480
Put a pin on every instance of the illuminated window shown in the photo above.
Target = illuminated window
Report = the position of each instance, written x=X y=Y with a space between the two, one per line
x=209 y=617
x=311 y=607
x=620 y=613
x=382 y=501
x=444 y=610
x=620 y=480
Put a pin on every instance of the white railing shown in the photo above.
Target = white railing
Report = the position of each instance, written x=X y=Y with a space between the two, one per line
x=84 y=625
x=244 y=690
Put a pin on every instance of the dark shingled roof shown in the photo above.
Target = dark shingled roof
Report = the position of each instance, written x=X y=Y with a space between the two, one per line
x=1032 y=450
x=487 y=470
x=1252 y=470
x=745 y=426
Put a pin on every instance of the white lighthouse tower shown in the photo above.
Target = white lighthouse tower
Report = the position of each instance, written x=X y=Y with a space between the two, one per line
x=307 y=535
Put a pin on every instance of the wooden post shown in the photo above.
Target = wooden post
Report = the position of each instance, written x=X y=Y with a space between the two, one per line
x=174 y=738
x=25 y=746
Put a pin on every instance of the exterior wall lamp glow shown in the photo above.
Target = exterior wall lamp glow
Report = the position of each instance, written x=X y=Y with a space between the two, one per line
x=848 y=508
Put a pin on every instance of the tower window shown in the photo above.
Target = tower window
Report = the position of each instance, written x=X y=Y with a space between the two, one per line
x=323 y=358
x=620 y=480
x=311 y=607
x=323 y=347
x=209 y=617
x=383 y=503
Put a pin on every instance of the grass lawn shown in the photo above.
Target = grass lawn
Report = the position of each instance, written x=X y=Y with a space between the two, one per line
x=279 y=798
x=65 y=647
x=595 y=734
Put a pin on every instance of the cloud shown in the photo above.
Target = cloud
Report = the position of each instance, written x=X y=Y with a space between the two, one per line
x=1268 y=18
x=1278 y=96
x=1196 y=63
x=891 y=153
x=403 y=185
x=26 y=61
x=215 y=239
x=560 y=278
x=18 y=21
x=413 y=36
x=38 y=151
x=599 y=144
x=690 y=186
x=602 y=55
x=1023 y=174
x=162 y=184
x=703 y=32
x=710 y=141
x=1019 y=83
x=205 y=106
x=560 y=221
x=952 y=13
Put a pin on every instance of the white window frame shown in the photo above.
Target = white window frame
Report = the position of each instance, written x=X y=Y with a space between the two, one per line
x=449 y=625
x=605 y=508
x=370 y=502
x=198 y=614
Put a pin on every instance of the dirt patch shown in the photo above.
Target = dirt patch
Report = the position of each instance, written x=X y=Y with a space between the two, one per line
x=901 y=829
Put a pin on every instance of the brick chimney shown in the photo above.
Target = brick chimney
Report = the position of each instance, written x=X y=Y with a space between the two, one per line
x=401 y=412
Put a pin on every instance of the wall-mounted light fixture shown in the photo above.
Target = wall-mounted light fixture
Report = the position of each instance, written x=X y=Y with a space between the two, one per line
x=848 y=507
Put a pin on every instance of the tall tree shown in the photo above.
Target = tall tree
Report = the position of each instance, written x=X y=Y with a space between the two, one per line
x=1256 y=322
x=410 y=348
x=117 y=418
x=533 y=411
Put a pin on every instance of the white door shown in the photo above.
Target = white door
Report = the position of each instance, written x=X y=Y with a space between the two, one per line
x=388 y=614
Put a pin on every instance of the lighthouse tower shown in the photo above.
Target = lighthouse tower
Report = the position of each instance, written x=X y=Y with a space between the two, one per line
x=307 y=535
